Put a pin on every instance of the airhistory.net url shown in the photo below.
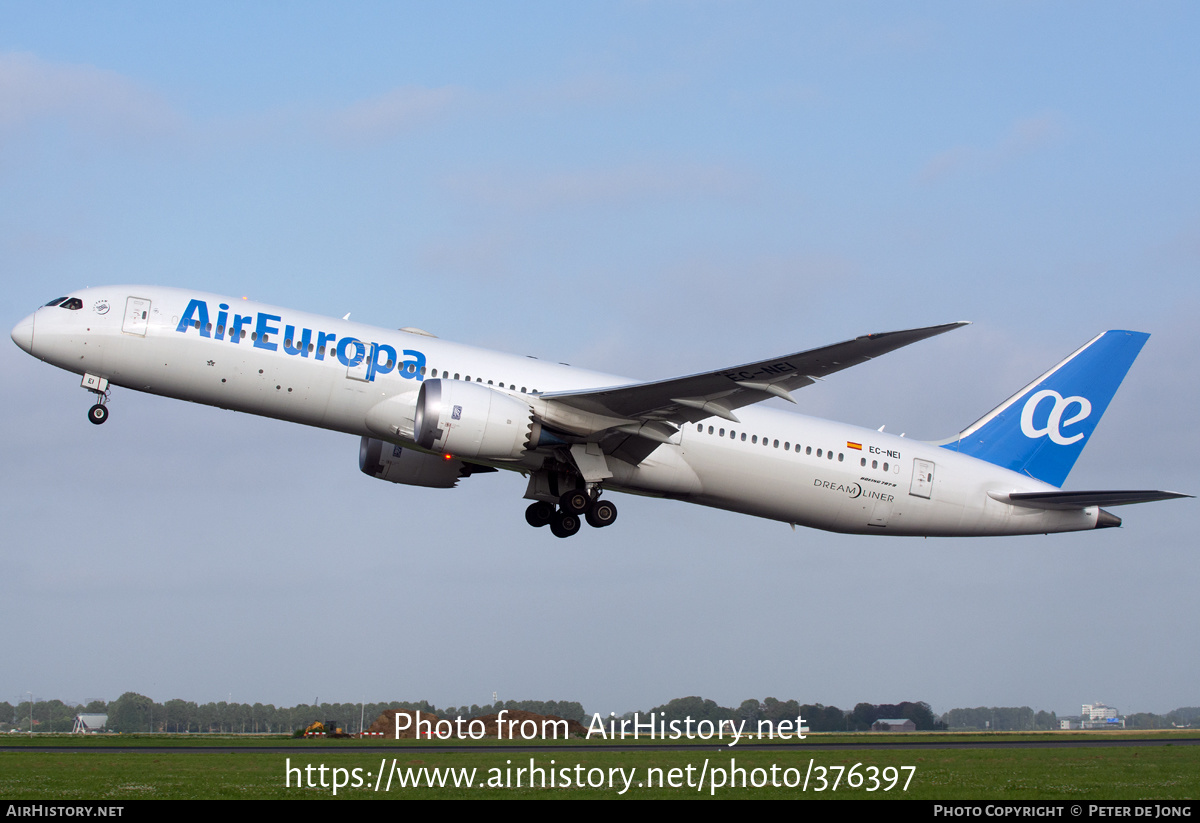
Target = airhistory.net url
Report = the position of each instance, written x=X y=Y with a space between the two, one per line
x=708 y=776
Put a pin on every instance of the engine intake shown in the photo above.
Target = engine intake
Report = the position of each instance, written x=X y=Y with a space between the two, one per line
x=472 y=420
x=412 y=468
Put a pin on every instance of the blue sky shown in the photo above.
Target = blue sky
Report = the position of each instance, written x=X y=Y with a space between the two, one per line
x=647 y=189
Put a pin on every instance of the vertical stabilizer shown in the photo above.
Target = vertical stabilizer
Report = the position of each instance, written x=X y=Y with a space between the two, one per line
x=1041 y=430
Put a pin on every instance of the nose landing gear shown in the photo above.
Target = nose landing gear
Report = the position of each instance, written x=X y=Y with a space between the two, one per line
x=98 y=386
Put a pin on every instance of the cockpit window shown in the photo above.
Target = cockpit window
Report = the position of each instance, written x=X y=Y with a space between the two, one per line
x=74 y=304
x=54 y=302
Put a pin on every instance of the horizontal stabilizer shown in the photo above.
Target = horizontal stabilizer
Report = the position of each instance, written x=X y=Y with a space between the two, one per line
x=1083 y=499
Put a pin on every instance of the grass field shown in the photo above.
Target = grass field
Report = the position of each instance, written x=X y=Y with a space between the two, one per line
x=114 y=772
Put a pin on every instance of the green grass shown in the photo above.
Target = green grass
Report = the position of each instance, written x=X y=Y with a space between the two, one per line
x=1108 y=773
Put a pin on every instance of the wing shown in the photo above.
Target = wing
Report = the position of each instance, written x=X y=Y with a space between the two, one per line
x=717 y=393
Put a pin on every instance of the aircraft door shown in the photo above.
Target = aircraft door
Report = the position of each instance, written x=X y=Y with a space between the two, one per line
x=357 y=371
x=137 y=316
x=880 y=513
x=356 y=358
x=922 y=479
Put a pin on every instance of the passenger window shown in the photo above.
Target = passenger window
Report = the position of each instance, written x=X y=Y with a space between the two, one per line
x=862 y=461
x=885 y=466
x=808 y=450
x=722 y=433
x=841 y=457
x=777 y=444
x=754 y=439
x=710 y=430
x=818 y=452
x=874 y=464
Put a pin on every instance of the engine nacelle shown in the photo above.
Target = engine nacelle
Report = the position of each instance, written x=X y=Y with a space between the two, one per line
x=408 y=466
x=472 y=420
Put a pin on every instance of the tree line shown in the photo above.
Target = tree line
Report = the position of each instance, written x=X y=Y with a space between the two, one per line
x=818 y=717
x=132 y=712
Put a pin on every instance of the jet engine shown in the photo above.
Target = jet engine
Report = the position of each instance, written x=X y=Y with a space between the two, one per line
x=410 y=467
x=472 y=420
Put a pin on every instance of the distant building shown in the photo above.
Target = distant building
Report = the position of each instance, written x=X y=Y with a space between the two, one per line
x=89 y=723
x=1098 y=711
x=893 y=724
x=1099 y=716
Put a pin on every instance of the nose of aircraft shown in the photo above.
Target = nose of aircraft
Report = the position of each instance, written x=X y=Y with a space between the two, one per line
x=22 y=334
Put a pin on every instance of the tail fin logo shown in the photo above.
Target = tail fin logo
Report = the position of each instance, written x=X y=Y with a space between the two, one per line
x=1054 y=422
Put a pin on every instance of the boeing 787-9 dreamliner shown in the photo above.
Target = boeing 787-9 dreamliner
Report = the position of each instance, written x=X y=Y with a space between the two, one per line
x=430 y=413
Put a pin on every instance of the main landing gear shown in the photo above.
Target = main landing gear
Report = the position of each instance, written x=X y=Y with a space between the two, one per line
x=565 y=520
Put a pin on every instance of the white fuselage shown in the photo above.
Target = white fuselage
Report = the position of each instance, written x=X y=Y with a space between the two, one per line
x=303 y=368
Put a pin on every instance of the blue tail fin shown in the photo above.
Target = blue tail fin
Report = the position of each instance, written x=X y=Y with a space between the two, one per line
x=1041 y=430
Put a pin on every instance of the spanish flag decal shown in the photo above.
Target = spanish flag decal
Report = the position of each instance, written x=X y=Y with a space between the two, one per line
x=850 y=445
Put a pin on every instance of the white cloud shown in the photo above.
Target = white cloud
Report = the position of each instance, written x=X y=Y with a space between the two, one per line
x=408 y=107
x=394 y=112
x=1022 y=137
x=911 y=37
x=97 y=101
x=33 y=90
x=621 y=186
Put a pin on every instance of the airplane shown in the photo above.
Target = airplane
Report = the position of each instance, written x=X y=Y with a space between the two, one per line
x=430 y=412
